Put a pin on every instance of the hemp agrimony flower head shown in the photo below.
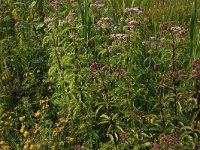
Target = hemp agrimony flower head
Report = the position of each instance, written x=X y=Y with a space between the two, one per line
x=132 y=22
x=196 y=68
x=121 y=37
x=97 y=5
x=135 y=9
x=95 y=67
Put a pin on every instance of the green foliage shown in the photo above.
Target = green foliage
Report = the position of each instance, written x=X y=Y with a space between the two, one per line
x=92 y=75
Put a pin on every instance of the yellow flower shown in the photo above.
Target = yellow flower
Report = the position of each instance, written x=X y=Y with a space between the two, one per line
x=31 y=147
x=42 y=102
x=21 y=118
x=37 y=113
x=22 y=129
x=2 y=142
x=26 y=133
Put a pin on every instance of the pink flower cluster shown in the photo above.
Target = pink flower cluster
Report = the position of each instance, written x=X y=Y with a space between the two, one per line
x=132 y=22
x=95 y=67
x=97 y=5
x=166 y=28
x=196 y=68
x=121 y=37
x=135 y=9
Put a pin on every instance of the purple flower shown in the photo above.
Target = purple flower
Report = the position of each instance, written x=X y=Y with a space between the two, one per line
x=181 y=73
x=94 y=67
x=135 y=9
x=97 y=5
x=133 y=22
x=122 y=37
x=156 y=146
x=196 y=64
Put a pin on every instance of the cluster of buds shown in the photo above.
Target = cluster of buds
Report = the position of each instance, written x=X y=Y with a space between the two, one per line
x=97 y=5
x=179 y=31
x=137 y=10
x=176 y=74
x=169 y=141
x=196 y=68
x=95 y=67
x=121 y=37
x=166 y=28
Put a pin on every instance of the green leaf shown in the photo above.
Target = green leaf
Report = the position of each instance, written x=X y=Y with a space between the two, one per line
x=33 y=4
x=40 y=26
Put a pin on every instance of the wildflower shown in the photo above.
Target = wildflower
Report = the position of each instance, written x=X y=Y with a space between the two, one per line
x=163 y=26
x=31 y=147
x=181 y=73
x=119 y=70
x=133 y=22
x=163 y=136
x=21 y=119
x=97 y=5
x=94 y=67
x=26 y=133
x=196 y=64
x=171 y=74
x=176 y=29
x=182 y=32
x=163 y=32
x=156 y=146
x=71 y=17
x=22 y=129
x=136 y=10
x=121 y=37
x=196 y=74
x=106 y=19
x=156 y=67
x=37 y=113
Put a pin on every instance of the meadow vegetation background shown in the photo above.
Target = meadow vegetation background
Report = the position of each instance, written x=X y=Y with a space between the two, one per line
x=107 y=74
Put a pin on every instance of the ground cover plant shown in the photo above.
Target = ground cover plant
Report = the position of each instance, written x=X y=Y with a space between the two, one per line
x=107 y=74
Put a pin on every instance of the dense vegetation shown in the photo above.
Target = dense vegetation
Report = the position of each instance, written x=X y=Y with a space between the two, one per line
x=109 y=74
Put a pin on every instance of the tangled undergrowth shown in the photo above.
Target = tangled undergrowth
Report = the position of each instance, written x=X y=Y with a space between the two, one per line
x=116 y=74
